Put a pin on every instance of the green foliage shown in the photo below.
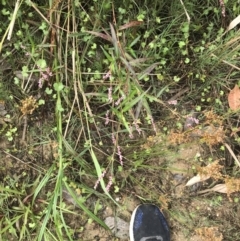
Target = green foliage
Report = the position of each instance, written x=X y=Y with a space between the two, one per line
x=103 y=74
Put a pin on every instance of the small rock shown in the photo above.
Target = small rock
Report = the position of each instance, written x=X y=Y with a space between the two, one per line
x=118 y=226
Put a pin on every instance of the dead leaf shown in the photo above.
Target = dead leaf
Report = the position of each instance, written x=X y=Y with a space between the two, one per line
x=197 y=179
x=130 y=24
x=211 y=170
x=234 y=98
x=222 y=188
x=234 y=23
x=101 y=35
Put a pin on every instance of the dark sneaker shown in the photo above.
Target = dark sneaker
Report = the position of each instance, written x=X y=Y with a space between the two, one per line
x=148 y=224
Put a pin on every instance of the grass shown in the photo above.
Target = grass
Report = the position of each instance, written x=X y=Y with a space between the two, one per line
x=93 y=94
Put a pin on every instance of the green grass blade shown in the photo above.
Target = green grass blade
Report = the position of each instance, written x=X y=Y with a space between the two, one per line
x=84 y=208
x=43 y=182
x=134 y=102
x=99 y=173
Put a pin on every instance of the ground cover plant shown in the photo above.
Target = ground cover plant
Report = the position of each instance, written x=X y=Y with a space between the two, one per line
x=108 y=104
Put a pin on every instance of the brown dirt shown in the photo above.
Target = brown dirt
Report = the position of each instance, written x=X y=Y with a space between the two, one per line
x=191 y=217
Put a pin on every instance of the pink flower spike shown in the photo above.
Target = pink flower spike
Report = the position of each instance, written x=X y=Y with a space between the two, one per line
x=40 y=83
x=107 y=75
x=49 y=71
x=222 y=4
x=113 y=139
x=137 y=127
x=99 y=179
x=130 y=133
x=110 y=99
x=119 y=101
x=192 y=120
x=172 y=102
x=120 y=155
x=45 y=76
x=107 y=118
x=109 y=183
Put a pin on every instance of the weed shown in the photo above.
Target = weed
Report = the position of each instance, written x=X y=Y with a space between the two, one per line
x=211 y=233
x=28 y=105
x=108 y=93
x=232 y=185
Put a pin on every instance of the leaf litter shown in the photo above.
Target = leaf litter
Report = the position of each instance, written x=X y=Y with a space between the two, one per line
x=234 y=98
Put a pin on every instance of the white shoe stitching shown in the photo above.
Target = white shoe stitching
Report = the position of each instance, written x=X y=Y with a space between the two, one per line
x=151 y=237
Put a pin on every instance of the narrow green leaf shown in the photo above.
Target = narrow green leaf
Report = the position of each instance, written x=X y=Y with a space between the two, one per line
x=114 y=40
x=133 y=102
x=43 y=182
x=99 y=173
x=84 y=208
x=121 y=118
x=109 y=57
x=147 y=71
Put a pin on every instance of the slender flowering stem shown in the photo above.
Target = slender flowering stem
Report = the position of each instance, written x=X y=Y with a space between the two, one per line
x=107 y=118
x=119 y=101
x=137 y=127
x=110 y=99
x=110 y=181
x=222 y=5
x=44 y=76
x=130 y=134
x=99 y=179
x=107 y=75
x=113 y=139
x=120 y=155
